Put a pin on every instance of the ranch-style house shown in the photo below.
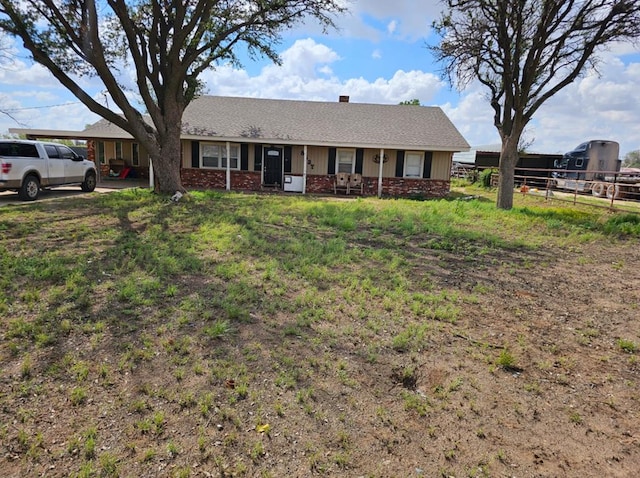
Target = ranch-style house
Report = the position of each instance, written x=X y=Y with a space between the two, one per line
x=251 y=144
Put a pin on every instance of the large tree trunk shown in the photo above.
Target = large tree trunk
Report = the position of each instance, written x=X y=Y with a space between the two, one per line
x=508 y=161
x=166 y=168
x=166 y=158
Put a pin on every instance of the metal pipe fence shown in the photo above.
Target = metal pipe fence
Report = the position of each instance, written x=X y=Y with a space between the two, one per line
x=619 y=191
x=612 y=190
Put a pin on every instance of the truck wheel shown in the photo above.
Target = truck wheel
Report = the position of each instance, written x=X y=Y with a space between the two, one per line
x=598 y=190
x=30 y=188
x=613 y=191
x=89 y=183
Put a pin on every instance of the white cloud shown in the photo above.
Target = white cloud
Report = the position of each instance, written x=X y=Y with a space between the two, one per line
x=597 y=106
x=404 y=85
x=376 y=54
x=392 y=26
x=473 y=117
x=18 y=73
x=303 y=57
x=65 y=115
x=407 y=18
x=604 y=106
x=305 y=74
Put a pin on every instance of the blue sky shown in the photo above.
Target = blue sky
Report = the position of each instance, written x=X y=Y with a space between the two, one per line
x=378 y=55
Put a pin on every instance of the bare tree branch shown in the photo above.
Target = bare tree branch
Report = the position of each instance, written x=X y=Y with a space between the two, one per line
x=170 y=44
x=524 y=52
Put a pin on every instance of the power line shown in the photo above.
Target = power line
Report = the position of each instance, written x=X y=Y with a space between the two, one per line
x=42 y=107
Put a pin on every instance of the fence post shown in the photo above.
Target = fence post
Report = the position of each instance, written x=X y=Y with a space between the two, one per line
x=613 y=195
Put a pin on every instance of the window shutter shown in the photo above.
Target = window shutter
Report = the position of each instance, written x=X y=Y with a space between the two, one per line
x=359 y=160
x=244 y=157
x=195 y=154
x=257 y=157
x=400 y=164
x=287 y=159
x=331 y=167
x=428 y=158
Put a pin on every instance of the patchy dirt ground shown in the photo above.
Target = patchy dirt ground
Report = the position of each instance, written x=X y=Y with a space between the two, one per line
x=536 y=376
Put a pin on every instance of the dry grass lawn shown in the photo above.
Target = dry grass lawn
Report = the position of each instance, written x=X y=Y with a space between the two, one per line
x=279 y=336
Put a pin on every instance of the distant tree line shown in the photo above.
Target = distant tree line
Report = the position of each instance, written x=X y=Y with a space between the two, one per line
x=632 y=159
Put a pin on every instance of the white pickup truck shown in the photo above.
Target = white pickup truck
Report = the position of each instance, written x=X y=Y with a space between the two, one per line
x=28 y=166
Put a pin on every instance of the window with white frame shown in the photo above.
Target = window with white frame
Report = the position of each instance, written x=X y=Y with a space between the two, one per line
x=413 y=165
x=135 y=154
x=215 y=156
x=119 y=149
x=345 y=161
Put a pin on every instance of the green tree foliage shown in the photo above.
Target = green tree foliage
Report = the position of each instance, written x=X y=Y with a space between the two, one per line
x=632 y=159
x=6 y=59
x=524 y=52
x=169 y=44
x=413 y=102
x=485 y=177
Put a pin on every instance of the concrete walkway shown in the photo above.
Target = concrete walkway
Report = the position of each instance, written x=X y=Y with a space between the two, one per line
x=10 y=197
x=123 y=183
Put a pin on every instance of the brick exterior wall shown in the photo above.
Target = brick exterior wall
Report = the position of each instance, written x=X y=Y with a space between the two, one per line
x=245 y=180
x=319 y=184
x=394 y=187
x=217 y=179
x=250 y=181
x=91 y=151
x=403 y=187
x=91 y=156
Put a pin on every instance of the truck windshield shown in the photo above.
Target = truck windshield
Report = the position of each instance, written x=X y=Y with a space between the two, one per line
x=561 y=163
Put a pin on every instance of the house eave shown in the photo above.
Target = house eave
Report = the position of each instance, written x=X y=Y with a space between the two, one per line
x=328 y=144
x=85 y=135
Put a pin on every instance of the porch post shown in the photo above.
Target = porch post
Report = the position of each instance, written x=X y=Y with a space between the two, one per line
x=304 y=170
x=228 y=179
x=380 y=172
x=151 y=185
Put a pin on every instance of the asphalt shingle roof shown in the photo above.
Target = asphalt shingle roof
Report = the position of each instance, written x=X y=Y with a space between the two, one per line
x=316 y=123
